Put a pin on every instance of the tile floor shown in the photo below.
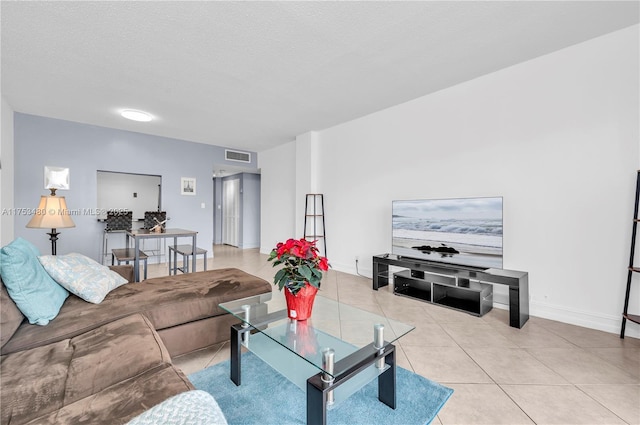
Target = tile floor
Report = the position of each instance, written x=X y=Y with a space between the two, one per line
x=546 y=373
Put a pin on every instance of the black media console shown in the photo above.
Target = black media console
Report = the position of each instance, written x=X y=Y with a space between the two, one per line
x=460 y=287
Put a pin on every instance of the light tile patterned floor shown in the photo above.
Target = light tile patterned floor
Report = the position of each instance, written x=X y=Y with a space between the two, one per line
x=546 y=373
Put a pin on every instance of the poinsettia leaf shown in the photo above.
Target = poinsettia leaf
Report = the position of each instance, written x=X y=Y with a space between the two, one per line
x=306 y=272
x=280 y=275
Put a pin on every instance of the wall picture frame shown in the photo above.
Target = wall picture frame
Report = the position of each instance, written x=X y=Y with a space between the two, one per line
x=188 y=186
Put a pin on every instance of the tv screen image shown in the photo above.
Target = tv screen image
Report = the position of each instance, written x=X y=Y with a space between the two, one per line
x=462 y=231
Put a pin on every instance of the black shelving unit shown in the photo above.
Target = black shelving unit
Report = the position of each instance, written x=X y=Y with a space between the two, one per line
x=632 y=269
x=314 y=229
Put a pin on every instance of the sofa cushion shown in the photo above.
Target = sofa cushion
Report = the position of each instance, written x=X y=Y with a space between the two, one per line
x=33 y=382
x=43 y=380
x=121 y=402
x=167 y=301
x=82 y=276
x=35 y=293
x=112 y=353
x=10 y=315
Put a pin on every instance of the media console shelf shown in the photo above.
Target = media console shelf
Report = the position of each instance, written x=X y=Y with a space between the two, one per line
x=459 y=287
x=461 y=294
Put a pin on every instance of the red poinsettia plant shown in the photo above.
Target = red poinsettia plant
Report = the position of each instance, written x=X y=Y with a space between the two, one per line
x=302 y=264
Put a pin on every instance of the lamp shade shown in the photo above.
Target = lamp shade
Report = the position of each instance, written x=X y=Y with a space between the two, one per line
x=52 y=213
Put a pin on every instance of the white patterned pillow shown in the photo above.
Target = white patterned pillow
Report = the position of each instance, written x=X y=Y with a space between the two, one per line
x=189 y=408
x=82 y=276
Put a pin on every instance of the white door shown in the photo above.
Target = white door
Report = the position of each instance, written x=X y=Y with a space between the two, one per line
x=230 y=211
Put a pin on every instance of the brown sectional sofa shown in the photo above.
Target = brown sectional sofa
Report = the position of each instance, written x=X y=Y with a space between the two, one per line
x=183 y=309
x=109 y=362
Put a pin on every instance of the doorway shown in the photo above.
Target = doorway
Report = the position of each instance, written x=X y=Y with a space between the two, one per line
x=230 y=211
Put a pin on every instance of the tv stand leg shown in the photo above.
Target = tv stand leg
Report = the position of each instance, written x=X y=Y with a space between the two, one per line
x=379 y=273
x=519 y=303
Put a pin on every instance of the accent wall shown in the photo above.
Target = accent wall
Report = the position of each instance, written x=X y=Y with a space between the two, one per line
x=84 y=149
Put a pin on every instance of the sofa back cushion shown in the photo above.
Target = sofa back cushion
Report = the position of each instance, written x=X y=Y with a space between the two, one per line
x=35 y=293
x=10 y=316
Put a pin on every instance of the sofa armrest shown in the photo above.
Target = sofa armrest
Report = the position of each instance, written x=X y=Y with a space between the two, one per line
x=125 y=270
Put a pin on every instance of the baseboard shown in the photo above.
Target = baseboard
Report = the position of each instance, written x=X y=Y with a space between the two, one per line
x=598 y=321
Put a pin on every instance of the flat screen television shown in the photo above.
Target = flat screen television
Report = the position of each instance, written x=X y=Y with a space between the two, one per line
x=462 y=231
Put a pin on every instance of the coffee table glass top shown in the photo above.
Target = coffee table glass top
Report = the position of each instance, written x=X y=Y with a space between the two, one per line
x=338 y=326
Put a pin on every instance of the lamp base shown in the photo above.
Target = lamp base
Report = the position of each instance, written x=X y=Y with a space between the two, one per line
x=53 y=237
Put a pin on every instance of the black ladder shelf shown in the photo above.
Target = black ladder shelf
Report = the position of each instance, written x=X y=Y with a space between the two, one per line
x=632 y=269
x=314 y=220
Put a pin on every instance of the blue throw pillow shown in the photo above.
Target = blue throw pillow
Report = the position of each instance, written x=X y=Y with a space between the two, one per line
x=35 y=293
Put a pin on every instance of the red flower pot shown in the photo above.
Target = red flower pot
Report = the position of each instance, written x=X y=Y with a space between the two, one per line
x=302 y=338
x=299 y=306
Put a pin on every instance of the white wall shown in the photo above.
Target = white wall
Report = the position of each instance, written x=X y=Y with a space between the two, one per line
x=137 y=193
x=6 y=173
x=556 y=136
x=306 y=180
x=277 y=200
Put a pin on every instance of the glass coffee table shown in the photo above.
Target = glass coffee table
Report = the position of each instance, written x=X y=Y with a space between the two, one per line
x=330 y=356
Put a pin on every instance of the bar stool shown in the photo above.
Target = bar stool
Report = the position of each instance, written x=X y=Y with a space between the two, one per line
x=185 y=251
x=151 y=219
x=116 y=222
x=128 y=254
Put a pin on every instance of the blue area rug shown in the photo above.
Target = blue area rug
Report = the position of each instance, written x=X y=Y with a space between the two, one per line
x=266 y=397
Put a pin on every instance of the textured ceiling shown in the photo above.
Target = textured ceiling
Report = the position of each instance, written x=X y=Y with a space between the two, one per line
x=252 y=75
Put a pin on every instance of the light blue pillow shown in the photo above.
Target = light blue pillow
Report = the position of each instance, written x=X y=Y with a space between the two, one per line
x=37 y=296
x=82 y=276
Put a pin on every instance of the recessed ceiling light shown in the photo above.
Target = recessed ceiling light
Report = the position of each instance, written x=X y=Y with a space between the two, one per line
x=135 y=115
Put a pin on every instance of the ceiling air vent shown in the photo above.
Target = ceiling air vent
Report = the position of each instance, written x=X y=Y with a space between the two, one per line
x=237 y=156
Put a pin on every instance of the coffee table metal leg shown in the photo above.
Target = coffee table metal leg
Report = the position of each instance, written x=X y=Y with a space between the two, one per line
x=378 y=343
x=316 y=405
x=387 y=381
x=236 y=350
x=328 y=363
x=319 y=398
x=245 y=325
x=239 y=335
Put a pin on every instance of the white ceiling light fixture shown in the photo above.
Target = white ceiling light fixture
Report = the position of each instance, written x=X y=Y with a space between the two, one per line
x=136 y=115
